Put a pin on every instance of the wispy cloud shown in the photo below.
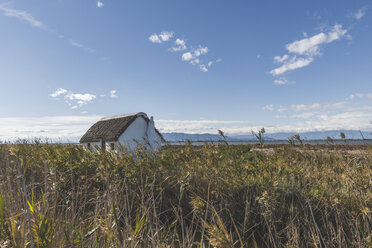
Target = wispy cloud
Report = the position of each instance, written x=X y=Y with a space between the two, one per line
x=305 y=50
x=283 y=81
x=269 y=107
x=342 y=105
x=31 y=20
x=194 y=126
x=361 y=96
x=100 y=4
x=74 y=100
x=360 y=13
x=79 y=45
x=303 y=107
x=113 y=94
x=282 y=109
x=22 y=15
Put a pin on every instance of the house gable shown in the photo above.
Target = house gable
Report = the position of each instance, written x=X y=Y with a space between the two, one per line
x=140 y=131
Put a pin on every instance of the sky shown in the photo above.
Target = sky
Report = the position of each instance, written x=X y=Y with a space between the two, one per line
x=196 y=66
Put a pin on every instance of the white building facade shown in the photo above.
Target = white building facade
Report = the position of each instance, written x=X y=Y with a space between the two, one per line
x=123 y=132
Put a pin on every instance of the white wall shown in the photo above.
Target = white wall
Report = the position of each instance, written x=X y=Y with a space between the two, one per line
x=139 y=132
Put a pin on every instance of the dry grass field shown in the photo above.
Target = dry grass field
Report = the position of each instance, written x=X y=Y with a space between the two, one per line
x=207 y=196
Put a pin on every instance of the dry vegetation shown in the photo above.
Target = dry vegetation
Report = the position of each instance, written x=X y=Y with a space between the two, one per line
x=210 y=196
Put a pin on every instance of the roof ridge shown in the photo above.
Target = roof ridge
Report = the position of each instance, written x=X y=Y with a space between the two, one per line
x=123 y=116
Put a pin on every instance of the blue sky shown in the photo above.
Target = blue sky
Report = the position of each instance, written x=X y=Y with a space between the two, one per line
x=196 y=66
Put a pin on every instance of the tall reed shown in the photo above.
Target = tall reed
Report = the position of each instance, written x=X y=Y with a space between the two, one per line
x=209 y=196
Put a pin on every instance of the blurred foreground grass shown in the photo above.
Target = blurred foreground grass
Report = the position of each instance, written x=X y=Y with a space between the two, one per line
x=210 y=196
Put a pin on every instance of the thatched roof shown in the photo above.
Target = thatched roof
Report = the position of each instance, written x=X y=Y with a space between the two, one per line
x=110 y=128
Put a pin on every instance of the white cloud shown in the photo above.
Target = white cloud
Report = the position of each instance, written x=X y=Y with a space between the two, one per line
x=303 y=107
x=307 y=49
x=218 y=60
x=190 y=55
x=292 y=64
x=360 y=13
x=361 y=95
x=278 y=59
x=187 y=56
x=99 y=4
x=72 y=99
x=180 y=45
x=154 y=38
x=269 y=107
x=194 y=126
x=162 y=37
x=342 y=105
x=22 y=15
x=79 y=99
x=283 y=81
x=200 y=51
x=203 y=68
x=57 y=128
x=282 y=109
x=58 y=92
x=165 y=35
x=307 y=46
x=306 y=122
x=310 y=46
x=193 y=57
x=309 y=117
x=113 y=94
x=71 y=128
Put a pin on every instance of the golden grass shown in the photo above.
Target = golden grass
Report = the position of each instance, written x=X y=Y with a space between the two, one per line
x=210 y=196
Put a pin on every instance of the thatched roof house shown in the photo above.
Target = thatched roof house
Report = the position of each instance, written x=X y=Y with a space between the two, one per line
x=123 y=130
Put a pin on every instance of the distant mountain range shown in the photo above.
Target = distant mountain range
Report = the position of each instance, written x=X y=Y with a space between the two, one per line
x=317 y=135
